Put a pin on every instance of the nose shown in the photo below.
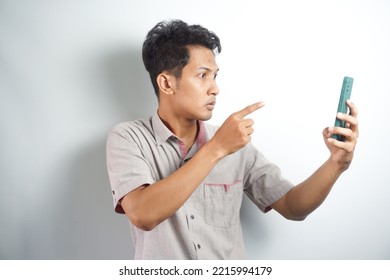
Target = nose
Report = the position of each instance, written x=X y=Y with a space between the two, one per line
x=214 y=90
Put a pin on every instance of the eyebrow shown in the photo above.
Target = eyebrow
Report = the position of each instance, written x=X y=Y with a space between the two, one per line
x=207 y=69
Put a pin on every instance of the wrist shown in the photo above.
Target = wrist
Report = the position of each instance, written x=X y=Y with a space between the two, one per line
x=213 y=150
x=337 y=165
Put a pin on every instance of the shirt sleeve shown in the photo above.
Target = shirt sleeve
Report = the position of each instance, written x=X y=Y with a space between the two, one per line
x=127 y=167
x=263 y=182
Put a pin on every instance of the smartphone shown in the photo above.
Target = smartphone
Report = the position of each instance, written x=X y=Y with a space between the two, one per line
x=345 y=94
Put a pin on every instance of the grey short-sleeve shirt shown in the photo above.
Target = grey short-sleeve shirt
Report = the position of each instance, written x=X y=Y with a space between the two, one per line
x=207 y=226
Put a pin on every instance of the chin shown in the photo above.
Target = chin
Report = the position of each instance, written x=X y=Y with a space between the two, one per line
x=202 y=115
x=206 y=117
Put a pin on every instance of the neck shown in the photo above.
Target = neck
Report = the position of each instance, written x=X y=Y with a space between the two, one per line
x=185 y=129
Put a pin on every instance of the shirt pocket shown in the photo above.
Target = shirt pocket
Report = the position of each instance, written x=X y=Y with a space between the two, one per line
x=222 y=203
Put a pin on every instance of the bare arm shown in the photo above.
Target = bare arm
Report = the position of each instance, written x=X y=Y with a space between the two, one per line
x=304 y=198
x=147 y=206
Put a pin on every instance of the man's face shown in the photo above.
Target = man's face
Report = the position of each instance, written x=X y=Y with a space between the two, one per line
x=196 y=89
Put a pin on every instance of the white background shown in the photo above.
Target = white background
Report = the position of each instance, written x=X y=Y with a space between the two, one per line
x=70 y=70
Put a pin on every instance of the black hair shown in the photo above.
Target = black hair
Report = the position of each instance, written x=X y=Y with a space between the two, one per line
x=165 y=47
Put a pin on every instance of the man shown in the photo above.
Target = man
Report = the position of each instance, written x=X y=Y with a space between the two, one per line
x=180 y=180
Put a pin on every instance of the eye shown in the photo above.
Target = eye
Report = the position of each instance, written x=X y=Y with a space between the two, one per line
x=202 y=75
x=215 y=76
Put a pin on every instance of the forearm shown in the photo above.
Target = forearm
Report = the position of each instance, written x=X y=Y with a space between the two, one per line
x=148 y=206
x=308 y=195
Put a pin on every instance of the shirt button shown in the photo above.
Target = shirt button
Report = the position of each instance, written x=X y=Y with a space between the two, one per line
x=192 y=217
x=198 y=246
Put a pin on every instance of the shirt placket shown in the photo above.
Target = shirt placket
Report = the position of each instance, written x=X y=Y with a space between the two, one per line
x=190 y=211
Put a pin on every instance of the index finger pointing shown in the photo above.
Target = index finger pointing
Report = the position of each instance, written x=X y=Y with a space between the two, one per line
x=249 y=109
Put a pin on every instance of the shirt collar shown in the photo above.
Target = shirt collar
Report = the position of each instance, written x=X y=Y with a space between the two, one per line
x=163 y=133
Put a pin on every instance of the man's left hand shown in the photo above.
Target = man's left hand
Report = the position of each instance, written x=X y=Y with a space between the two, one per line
x=342 y=151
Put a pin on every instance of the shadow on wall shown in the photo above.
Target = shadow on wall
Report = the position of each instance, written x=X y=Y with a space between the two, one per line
x=88 y=227
x=129 y=84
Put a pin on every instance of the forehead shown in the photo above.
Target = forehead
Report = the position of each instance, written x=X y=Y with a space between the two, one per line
x=201 y=57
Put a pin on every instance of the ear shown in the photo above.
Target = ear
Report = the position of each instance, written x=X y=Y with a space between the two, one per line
x=166 y=83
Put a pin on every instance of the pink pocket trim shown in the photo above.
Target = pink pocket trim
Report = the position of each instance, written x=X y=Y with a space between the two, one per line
x=225 y=186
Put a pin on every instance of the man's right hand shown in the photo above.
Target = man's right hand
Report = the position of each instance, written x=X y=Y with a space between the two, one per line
x=235 y=132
